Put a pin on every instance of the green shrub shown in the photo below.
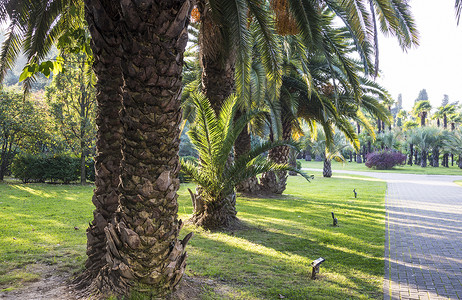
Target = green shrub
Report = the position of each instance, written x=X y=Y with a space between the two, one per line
x=29 y=168
x=39 y=168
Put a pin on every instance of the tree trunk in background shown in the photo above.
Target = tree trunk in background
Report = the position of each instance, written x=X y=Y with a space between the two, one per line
x=242 y=146
x=379 y=126
x=219 y=213
x=423 y=115
x=436 y=157
x=411 y=154
x=452 y=159
x=446 y=160
x=102 y=17
x=218 y=63
x=460 y=161
x=275 y=182
x=327 y=168
x=144 y=252
x=423 y=159
x=293 y=161
x=358 y=157
x=83 y=173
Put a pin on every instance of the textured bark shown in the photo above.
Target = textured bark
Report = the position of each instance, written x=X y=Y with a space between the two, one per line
x=423 y=116
x=423 y=159
x=102 y=17
x=275 y=182
x=143 y=250
x=459 y=163
x=217 y=213
x=411 y=153
x=292 y=162
x=327 y=168
x=217 y=59
x=445 y=162
x=242 y=146
x=358 y=157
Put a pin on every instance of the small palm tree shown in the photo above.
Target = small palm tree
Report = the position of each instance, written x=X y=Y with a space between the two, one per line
x=421 y=109
x=216 y=175
x=453 y=143
x=330 y=151
x=425 y=139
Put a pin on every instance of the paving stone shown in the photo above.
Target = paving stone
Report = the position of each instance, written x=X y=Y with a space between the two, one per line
x=423 y=242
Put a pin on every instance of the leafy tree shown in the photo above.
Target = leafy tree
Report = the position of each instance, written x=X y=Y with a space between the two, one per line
x=21 y=126
x=217 y=176
x=72 y=99
x=445 y=100
x=422 y=96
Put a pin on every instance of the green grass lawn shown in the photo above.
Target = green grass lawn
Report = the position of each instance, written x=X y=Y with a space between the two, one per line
x=269 y=259
x=414 y=169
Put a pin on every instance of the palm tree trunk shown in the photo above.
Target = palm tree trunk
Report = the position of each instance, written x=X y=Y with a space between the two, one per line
x=218 y=63
x=411 y=153
x=460 y=161
x=423 y=159
x=144 y=252
x=275 y=182
x=216 y=213
x=446 y=160
x=423 y=116
x=242 y=146
x=102 y=17
x=327 y=168
x=436 y=157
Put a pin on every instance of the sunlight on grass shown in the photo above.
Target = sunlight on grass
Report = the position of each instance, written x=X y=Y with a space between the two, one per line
x=271 y=256
x=35 y=192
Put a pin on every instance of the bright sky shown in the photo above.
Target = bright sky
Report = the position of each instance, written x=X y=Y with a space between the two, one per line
x=436 y=65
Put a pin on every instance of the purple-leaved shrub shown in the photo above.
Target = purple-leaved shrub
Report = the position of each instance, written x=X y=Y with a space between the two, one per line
x=385 y=160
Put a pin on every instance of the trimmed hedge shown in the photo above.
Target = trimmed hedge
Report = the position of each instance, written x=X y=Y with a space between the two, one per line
x=385 y=160
x=39 y=168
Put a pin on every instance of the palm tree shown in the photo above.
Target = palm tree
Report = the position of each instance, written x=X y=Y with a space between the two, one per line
x=444 y=112
x=36 y=26
x=224 y=37
x=453 y=143
x=454 y=119
x=425 y=138
x=421 y=109
x=329 y=151
x=217 y=176
x=142 y=238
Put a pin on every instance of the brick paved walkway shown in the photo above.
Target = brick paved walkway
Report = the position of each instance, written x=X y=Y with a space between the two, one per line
x=423 y=246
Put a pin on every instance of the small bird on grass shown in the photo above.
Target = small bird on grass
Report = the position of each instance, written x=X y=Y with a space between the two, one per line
x=354 y=191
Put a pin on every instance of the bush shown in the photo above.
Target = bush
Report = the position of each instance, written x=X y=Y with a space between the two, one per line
x=39 y=168
x=385 y=160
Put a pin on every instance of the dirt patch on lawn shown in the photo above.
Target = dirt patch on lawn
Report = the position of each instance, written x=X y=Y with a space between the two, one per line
x=53 y=284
